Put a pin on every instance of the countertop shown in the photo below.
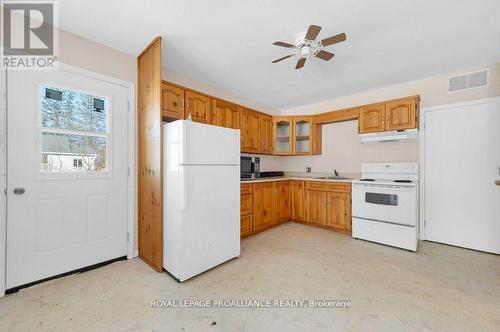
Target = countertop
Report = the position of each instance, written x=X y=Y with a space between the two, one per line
x=300 y=178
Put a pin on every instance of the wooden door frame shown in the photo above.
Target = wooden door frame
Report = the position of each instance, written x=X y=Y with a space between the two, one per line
x=423 y=112
x=131 y=157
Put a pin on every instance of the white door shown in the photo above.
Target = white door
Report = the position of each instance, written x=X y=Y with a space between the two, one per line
x=67 y=173
x=462 y=164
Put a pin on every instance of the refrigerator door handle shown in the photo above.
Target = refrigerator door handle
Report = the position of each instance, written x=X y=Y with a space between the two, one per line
x=183 y=189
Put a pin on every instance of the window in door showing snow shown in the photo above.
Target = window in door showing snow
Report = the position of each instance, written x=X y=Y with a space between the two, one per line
x=74 y=131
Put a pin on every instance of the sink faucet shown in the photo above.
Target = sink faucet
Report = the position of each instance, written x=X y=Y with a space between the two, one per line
x=335 y=172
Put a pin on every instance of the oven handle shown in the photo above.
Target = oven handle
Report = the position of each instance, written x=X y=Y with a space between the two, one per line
x=385 y=222
x=366 y=188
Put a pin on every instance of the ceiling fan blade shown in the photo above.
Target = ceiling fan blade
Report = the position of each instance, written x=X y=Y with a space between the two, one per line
x=324 y=55
x=334 y=39
x=283 y=58
x=283 y=44
x=300 y=63
x=312 y=32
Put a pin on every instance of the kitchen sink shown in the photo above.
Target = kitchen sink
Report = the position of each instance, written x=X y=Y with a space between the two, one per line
x=332 y=178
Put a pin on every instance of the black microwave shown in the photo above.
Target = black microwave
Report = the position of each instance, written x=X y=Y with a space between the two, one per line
x=249 y=167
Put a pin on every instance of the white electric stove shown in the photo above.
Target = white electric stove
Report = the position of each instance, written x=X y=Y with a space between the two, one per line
x=385 y=204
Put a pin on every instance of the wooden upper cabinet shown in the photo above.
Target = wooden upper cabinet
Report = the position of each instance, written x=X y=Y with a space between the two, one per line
x=316 y=207
x=317 y=138
x=266 y=133
x=402 y=114
x=398 y=114
x=372 y=118
x=283 y=135
x=263 y=205
x=225 y=114
x=282 y=196
x=302 y=135
x=296 y=135
x=199 y=106
x=172 y=101
x=338 y=213
x=297 y=200
x=250 y=132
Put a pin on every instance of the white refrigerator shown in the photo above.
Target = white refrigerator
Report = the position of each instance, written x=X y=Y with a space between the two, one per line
x=201 y=197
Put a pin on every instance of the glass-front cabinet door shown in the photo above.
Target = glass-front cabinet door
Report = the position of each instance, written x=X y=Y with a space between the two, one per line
x=283 y=135
x=302 y=135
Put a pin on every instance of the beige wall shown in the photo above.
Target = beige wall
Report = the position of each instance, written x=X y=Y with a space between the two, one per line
x=342 y=151
x=84 y=53
x=432 y=91
x=341 y=148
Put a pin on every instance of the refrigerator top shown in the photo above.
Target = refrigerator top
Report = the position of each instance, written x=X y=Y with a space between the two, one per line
x=192 y=143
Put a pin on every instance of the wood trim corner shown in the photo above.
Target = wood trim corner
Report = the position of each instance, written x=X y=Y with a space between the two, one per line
x=149 y=154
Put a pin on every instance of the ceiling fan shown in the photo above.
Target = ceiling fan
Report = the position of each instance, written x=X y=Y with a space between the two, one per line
x=306 y=45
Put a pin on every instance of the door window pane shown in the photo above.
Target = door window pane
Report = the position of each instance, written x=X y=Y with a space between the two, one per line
x=74 y=131
x=72 y=153
x=66 y=109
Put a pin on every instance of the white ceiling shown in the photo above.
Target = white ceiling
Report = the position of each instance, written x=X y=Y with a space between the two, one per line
x=228 y=43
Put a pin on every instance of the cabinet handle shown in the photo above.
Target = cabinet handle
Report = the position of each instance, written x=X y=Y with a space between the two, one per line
x=19 y=191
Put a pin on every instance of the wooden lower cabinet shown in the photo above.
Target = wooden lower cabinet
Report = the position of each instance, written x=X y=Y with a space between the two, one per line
x=246 y=210
x=263 y=205
x=246 y=204
x=338 y=211
x=328 y=205
x=316 y=207
x=246 y=226
x=297 y=200
x=282 y=201
x=324 y=204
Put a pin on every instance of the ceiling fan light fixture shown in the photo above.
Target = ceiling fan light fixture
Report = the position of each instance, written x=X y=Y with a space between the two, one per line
x=306 y=46
x=305 y=51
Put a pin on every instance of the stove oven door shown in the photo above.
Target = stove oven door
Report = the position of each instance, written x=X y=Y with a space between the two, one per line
x=387 y=203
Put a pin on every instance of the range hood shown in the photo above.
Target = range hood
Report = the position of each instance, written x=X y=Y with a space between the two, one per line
x=389 y=136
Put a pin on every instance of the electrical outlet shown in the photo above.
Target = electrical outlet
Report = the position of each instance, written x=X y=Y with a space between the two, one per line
x=308 y=169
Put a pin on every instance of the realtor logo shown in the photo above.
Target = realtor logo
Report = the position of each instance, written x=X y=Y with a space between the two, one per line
x=29 y=39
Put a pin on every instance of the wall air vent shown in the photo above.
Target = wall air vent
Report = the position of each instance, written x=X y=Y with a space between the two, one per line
x=468 y=81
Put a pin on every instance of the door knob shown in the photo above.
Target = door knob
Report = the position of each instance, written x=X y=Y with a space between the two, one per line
x=497 y=182
x=19 y=191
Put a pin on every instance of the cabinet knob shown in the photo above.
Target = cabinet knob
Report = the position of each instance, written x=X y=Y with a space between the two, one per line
x=497 y=182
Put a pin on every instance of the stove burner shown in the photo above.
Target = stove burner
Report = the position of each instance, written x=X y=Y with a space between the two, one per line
x=403 y=181
x=370 y=180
